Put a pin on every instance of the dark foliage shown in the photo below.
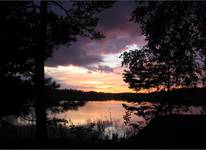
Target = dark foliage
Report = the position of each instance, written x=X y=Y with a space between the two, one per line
x=30 y=31
x=174 y=55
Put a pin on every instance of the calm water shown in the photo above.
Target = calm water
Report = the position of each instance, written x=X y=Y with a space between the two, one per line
x=108 y=113
x=93 y=111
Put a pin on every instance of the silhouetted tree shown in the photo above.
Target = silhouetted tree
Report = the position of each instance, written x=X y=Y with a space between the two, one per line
x=174 y=55
x=31 y=30
x=16 y=61
x=55 y=30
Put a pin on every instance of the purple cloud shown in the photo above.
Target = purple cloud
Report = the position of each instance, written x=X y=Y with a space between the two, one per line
x=114 y=24
x=101 y=68
x=74 y=55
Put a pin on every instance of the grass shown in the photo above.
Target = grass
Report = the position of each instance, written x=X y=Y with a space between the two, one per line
x=91 y=133
x=176 y=131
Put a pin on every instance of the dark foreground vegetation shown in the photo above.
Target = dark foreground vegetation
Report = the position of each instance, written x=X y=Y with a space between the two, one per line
x=174 y=131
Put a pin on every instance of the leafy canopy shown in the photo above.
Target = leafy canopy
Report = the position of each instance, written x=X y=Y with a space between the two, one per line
x=174 y=54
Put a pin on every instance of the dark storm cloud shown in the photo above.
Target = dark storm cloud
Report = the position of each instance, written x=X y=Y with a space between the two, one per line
x=117 y=16
x=102 y=68
x=114 y=24
x=74 y=55
x=119 y=31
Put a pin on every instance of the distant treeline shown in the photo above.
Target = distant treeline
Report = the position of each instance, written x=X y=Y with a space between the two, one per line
x=70 y=94
x=191 y=96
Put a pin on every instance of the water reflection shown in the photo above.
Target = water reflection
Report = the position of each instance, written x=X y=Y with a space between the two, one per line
x=103 y=119
x=116 y=117
x=108 y=114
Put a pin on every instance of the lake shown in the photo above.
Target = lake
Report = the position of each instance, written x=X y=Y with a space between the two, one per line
x=109 y=117
x=108 y=113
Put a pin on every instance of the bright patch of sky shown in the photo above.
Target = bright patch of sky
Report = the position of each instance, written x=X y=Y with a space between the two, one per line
x=114 y=60
x=82 y=78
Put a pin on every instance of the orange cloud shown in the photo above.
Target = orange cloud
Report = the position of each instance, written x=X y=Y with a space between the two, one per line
x=86 y=80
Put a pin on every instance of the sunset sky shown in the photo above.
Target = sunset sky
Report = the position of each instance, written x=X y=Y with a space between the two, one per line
x=94 y=65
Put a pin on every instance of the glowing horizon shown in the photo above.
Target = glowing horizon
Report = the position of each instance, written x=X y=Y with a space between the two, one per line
x=73 y=77
x=94 y=65
x=90 y=79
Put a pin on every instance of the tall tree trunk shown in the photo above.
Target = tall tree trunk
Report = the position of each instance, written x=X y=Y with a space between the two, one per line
x=40 y=109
